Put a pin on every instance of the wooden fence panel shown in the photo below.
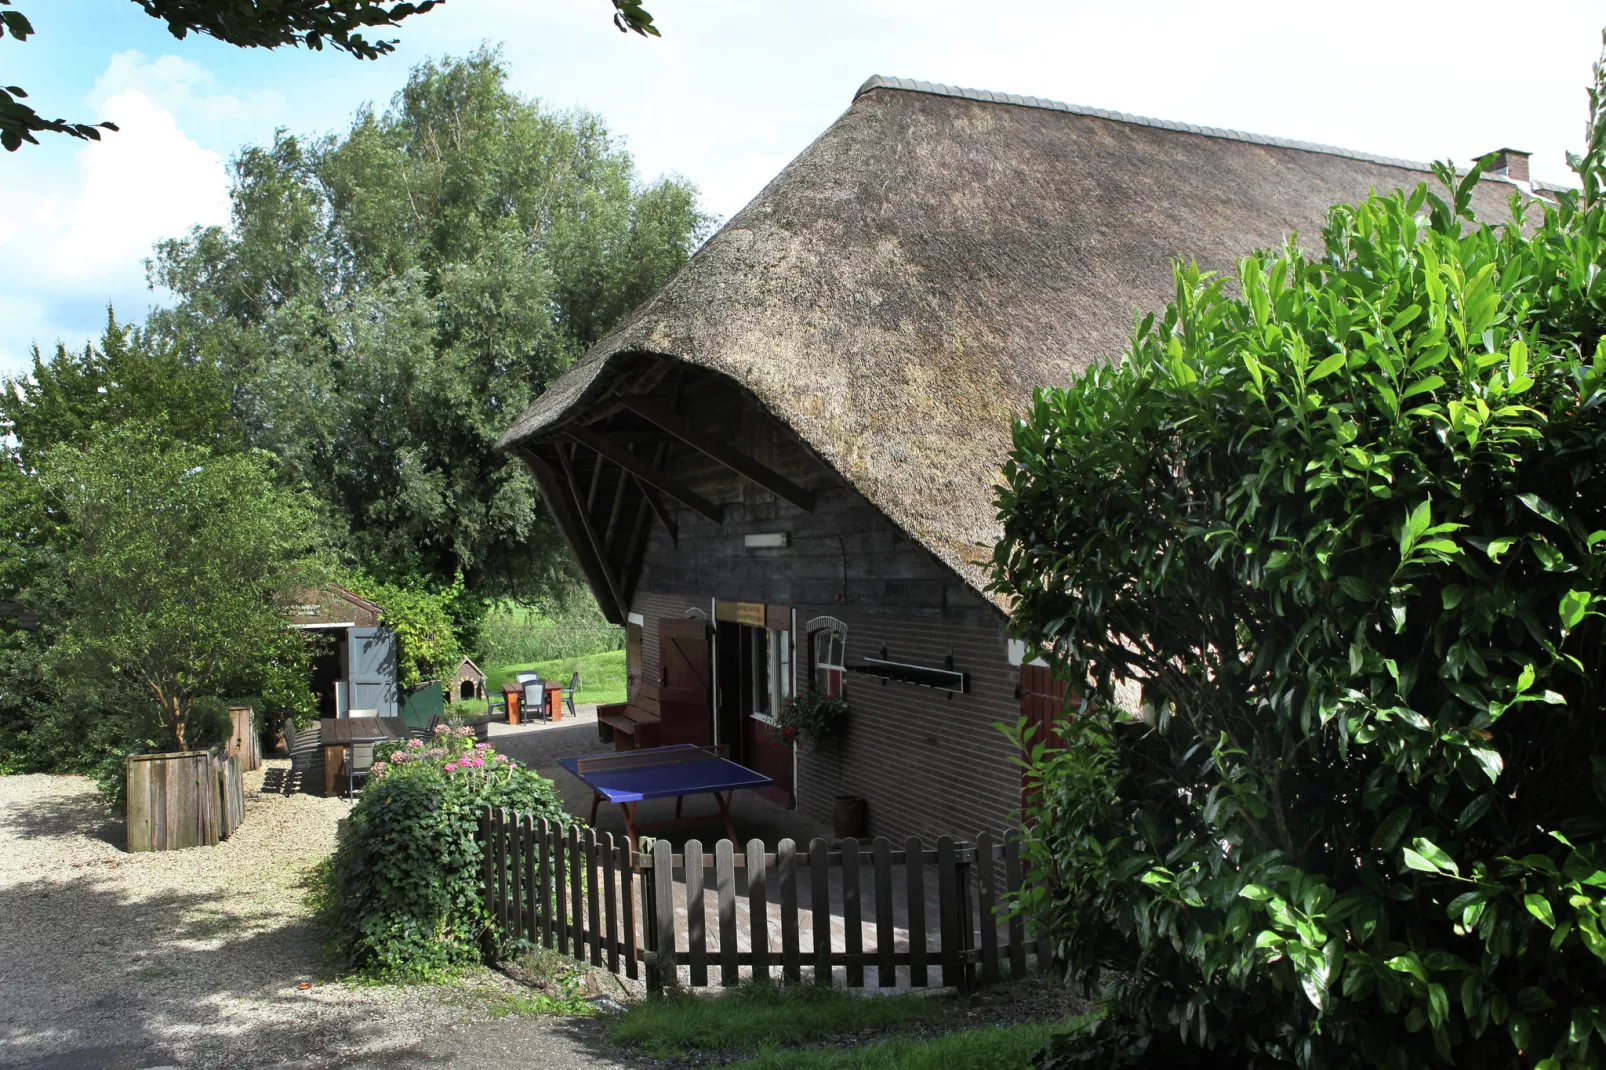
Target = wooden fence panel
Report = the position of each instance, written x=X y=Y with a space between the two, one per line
x=696 y=915
x=758 y=914
x=786 y=867
x=852 y=931
x=820 y=911
x=555 y=884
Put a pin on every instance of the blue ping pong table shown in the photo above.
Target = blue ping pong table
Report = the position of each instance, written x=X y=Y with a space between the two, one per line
x=630 y=777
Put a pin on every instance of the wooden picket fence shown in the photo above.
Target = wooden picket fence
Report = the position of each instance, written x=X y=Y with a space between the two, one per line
x=589 y=895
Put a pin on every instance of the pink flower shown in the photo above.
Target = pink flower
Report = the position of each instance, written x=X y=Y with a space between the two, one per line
x=441 y=729
x=400 y=756
x=499 y=758
x=482 y=746
x=451 y=767
x=415 y=744
x=378 y=769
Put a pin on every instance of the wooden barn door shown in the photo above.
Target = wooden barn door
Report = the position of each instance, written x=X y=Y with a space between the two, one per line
x=683 y=683
x=1042 y=702
x=373 y=670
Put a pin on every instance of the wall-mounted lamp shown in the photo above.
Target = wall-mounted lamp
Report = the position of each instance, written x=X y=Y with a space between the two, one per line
x=768 y=540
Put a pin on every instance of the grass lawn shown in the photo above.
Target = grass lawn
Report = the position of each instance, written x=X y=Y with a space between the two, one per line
x=602 y=676
x=755 y=1018
x=1006 y=1047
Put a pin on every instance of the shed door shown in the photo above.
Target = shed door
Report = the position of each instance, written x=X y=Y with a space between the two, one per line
x=683 y=692
x=1042 y=700
x=373 y=670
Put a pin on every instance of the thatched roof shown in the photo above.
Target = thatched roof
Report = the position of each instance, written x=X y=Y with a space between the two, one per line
x=894 y=294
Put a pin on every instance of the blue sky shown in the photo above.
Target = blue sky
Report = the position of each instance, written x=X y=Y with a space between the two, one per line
x=734 y=89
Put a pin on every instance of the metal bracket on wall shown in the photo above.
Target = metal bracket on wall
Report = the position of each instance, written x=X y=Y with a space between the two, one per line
x=946 y=678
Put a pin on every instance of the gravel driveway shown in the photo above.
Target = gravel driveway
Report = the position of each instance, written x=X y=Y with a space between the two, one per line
x=193 y=958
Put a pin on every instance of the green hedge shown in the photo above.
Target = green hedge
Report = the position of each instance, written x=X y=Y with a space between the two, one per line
x=1343 y=518
x=401 y=896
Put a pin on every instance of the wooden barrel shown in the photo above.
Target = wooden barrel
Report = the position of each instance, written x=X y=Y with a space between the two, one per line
x=173 y=800
x=243 y=738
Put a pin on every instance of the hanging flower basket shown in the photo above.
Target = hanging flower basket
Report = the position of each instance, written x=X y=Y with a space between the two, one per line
x=811 y=718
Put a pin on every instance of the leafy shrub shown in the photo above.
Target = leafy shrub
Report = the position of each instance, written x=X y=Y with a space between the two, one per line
x=401 y=895
x=1346 y=527
x=520 y=644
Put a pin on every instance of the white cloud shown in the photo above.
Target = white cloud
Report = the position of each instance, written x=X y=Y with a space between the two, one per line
x=186 y=89
x=84 y=231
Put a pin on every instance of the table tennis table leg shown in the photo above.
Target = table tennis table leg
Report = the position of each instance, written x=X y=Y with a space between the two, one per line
x=629 y=812
x=678 y=800
x=725 y=812
x=596 y=798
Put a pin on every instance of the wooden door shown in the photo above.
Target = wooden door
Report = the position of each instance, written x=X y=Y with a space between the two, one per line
x=373 y=671
x=683 y=683
x=1042 y=703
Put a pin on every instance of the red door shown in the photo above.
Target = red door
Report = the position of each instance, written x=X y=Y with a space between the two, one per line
x=1042 y=702
x=683 y=691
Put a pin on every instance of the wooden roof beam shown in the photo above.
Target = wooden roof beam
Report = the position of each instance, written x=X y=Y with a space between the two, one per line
x=645 y=472
x=731 y=458
x=590 y=529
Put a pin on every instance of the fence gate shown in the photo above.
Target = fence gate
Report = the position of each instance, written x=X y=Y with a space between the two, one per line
x=805 y=914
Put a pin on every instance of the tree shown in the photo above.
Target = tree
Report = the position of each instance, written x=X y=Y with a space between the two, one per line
x=249 y=24
x=182 y=573
x=1344 y=521
x=388 y=300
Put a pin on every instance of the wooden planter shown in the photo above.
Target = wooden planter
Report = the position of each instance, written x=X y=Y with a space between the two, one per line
x=192 y=798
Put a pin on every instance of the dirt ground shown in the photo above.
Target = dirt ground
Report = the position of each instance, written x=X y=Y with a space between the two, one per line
x=197 y=958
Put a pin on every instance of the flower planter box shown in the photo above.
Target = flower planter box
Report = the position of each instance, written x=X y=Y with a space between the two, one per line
x=180 y=799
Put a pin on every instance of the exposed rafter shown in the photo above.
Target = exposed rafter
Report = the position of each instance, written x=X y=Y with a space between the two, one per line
x=729 y=456
x=590 y=529
x=645 y=472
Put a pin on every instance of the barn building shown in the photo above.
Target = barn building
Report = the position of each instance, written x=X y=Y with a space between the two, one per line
x=779 y=471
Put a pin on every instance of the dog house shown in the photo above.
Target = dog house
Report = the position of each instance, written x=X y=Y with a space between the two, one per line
x=467 y=683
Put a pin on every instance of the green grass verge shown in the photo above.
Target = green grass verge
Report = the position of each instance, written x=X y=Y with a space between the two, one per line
x=1008 y=1047
x=602 y=676
x=754 y=1018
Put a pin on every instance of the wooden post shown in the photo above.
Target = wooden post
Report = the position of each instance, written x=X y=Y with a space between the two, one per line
x=610 y=892
x=627 y=896
x=544 y=838
x=577 y=907
x=1012 y=887
x=965 y=914
x=696 y=915
x=649 y=924
x=820 y=910
x=988 y=907
x=500 y=827
x=786 y=864
x=852 y=928
x=487 y=879
x=948 y=906
x=663 y=894
x=560 y=890
x=758 y=911
x=515 y=878
x=532 y=910
x=593 y=897
x=725 y=878
x=914 y=861
x=886 y=971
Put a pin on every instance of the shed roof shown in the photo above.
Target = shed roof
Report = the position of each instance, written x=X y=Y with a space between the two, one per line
x=897 y=291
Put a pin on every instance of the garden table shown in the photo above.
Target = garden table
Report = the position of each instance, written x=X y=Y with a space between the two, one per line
x=340 y=734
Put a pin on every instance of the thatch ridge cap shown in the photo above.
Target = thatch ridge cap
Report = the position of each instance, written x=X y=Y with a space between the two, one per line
x=984 y=96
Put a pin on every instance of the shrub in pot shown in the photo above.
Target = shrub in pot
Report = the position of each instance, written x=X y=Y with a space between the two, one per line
x=1345 y=523
x=811 y=718
x=401 y=895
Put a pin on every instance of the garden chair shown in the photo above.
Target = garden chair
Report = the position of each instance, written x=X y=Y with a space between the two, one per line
x=362 y=761
x=568 y=692
x=534 y=704
x=306 y=750
x=428 y=731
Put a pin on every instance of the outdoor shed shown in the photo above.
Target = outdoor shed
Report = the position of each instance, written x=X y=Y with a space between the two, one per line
x=356 y=667
x=779 y=471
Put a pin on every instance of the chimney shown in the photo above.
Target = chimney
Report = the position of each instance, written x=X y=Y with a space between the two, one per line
x=1509 y=164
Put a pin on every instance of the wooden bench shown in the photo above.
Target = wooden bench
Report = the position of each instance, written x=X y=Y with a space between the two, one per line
x=630 y=725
